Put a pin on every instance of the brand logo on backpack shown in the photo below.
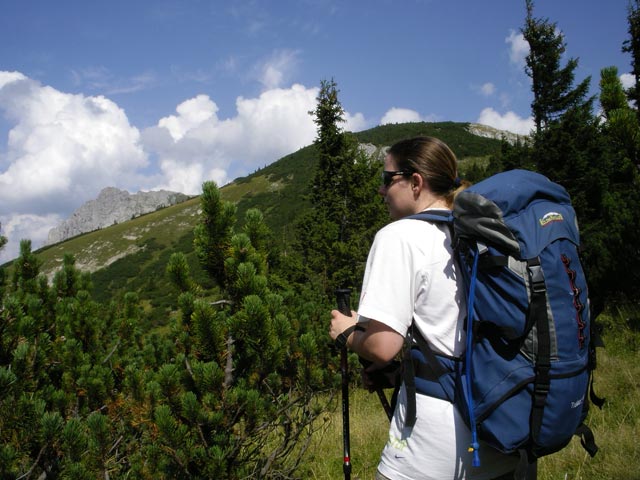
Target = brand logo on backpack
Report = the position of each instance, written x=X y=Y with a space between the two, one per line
x=577 y=403
x=550 y=218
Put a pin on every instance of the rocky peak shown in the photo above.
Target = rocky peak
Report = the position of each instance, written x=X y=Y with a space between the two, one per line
x=112 y=206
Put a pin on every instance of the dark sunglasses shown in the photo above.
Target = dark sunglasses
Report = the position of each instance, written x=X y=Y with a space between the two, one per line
x=387 y=175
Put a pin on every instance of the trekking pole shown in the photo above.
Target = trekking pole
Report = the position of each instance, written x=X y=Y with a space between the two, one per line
x=342 y=297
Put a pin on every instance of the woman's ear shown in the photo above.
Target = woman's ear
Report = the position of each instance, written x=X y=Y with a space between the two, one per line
x=416 y=182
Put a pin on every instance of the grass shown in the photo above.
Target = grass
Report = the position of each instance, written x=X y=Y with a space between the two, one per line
x=616 y=427
x=368 y=433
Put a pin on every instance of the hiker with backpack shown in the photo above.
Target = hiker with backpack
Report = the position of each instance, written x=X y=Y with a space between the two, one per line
x=413 y=287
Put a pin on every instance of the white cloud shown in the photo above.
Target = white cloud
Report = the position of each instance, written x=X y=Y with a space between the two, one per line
x=628 y=80
x=510 y=121
x=405 y=115
x=62 y=147
x=488 y=89
x=355 y=123
x=25 y=226
x=195 y=145
x=519 y=48
x=9 y=77
x=277 y=69
x=191 y=113
x=400 y=115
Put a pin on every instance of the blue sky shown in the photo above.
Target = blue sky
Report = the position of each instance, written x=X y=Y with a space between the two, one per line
x=145 y=95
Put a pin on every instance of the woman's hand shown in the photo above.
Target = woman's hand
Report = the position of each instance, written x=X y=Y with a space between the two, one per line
x=340 y=322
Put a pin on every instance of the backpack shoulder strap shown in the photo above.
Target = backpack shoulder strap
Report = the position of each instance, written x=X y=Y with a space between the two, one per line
x=434 y=216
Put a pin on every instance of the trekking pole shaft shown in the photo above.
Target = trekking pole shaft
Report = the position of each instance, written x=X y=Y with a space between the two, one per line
x=342 y=297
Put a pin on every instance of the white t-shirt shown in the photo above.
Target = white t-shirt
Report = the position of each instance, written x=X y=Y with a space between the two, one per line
x=411 y=275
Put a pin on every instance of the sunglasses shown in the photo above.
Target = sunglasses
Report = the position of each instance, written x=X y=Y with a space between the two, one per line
x=387 y=175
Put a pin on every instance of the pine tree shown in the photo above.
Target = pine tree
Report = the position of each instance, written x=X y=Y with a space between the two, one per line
x=613 y=256
x=56 y=379
x=621 y=121
x=571 y=147
x=632 y=46
x=235 y=397
x=213 y=235
x=552 y=85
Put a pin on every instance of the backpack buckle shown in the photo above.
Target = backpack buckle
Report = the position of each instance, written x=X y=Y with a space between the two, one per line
x=536 y=275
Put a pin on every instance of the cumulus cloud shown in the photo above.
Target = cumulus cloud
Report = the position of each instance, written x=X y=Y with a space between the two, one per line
x=519 y=48
x=62 y=146
x=25 y=226
x=195 y=145
x=400 y=115
x=355 y=122
x=509 y=121
x=405 y=115
x=628 y=80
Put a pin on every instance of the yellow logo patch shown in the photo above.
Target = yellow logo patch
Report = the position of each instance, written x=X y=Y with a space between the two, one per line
x=550 y=218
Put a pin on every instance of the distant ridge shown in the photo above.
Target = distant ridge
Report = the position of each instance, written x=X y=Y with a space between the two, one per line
x=111 y=207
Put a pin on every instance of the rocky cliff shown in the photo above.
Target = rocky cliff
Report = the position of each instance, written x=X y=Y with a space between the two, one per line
x=490 y=132
x=112 y=206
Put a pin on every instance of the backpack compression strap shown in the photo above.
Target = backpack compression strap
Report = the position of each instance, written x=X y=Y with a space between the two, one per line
x=538 y=314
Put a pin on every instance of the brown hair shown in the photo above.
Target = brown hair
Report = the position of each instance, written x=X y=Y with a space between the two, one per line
x=434 y=161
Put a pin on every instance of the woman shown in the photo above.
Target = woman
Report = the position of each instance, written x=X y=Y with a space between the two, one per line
x=410 y=277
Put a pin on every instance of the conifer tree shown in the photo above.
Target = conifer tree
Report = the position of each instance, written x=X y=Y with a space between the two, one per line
x=562 y=113
x=621 y=121
x=335 y=235
x=552 y=85
x=233 y=401
x=632 y=46
x=213 y=235
x=54 y=375
x=572 y=147
x=615 y=265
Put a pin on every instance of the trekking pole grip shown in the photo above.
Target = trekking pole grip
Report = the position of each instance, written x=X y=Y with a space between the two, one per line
x=343 y=300
x=342 y=297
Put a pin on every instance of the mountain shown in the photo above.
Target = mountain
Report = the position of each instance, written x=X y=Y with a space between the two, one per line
x=112 y=206
x=132 y=255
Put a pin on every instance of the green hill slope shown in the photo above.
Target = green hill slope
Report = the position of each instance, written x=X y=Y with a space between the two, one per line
x=132 y=256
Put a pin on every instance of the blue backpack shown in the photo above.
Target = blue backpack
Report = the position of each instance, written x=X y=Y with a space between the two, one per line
x=523 y=382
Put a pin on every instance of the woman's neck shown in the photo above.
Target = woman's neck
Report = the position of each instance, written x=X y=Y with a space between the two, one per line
x=432 y=201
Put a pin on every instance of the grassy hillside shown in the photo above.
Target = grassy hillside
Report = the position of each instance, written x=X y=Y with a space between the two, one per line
x=132 y=256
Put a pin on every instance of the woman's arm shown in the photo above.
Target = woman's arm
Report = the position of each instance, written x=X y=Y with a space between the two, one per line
x=378 y=343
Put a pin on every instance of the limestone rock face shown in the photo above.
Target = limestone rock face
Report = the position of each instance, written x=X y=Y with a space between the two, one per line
x=490 y=132
x=112 y=206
